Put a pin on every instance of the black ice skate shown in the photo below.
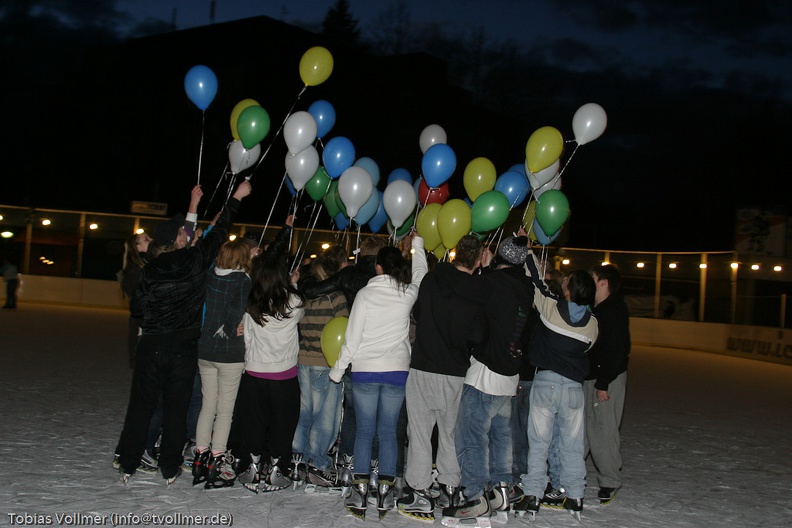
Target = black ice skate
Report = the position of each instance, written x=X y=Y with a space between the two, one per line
x=529 y=505
x=220 y=472
x=575 y=506
x=199 y=466
x=606 y=495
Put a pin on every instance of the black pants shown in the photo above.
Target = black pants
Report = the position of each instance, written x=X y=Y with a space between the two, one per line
x=164 y=365
x=265 y=418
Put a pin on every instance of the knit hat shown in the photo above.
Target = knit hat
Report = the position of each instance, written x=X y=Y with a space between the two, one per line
x=166 y=232
x=514 y=250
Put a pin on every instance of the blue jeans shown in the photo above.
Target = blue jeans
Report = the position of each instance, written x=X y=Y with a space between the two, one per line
x=320 y=415
x=483 y=440
x=554 y=458
x=555 y=398
x=377 y=408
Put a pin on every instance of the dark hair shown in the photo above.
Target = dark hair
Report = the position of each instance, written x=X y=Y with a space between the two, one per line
x=394 y=264
x=555 y=282
x=581 y=288
x=468 y=252
x=272 y=289
x=610 y=273
x=131 y=254
x=332 y=258
x=371 y=245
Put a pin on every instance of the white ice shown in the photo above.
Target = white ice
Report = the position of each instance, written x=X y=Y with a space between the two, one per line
x=706 y=439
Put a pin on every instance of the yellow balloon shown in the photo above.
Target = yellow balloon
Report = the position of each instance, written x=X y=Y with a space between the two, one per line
x=238 y=108
x=316 y=66
x=439 y=252
x=544 y=147
x=528 y=219
x=426 y=224
x=453 y=222
x=479 y=177
x=333 y=338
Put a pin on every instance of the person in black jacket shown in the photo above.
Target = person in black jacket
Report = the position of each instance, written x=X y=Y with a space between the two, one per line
x=606 y=384
x=169 y=300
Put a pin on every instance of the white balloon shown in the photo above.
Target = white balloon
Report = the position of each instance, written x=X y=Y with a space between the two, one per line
x=432 y=135
x=399 y=200
x=354 y=189
x=302 y=166
x=241 y=158
x=299 y=131
x=540 y=178
x=589 y=123
x=554 y=183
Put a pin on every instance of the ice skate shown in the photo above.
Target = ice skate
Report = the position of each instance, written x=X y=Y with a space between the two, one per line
x=199 y=466
x=297 y=470
x=250 y=476
x=345 y=475
x=498 y=497
x=357 y=502
x=448 y=496
x=554 y=497
x=170 y=480
x=189 y=452
x=274 y=480
x=124 y=476
x=466 y=512
x=319 y=477
x=417 y=504
x=529 y=505
x=220 y=472
x=386 y=499
x=606 y=495
x=374 y=483
x=575 y=506
x=148 y=464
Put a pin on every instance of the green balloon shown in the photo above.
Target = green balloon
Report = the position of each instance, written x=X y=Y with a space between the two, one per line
x=253 y=125
x=330 y=199
x=489 y=211
x=317 y=186
x=404 y=228
x=338 y=199
x=552 y=210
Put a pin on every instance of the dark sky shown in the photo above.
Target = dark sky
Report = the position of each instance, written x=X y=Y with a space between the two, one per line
x=698 y=96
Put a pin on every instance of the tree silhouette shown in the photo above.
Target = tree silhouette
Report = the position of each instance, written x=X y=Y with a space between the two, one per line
x=340 y=26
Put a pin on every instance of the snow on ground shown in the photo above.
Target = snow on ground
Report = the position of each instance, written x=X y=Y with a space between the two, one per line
x=706 y=439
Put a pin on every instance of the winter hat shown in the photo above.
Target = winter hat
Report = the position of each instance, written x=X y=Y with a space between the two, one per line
x=514 y=250
x=166 y=232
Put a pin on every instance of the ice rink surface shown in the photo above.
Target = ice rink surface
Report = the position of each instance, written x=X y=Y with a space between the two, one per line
x=706 y=440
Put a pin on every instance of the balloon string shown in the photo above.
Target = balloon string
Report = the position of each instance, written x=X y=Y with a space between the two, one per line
x=277 y=133
x=223 y=175
x=200 y=150
x=266 y=225
x=357 y=245
x=313 y=218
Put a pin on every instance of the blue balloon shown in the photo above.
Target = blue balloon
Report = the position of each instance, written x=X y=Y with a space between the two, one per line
x=380 y=217
x=290 y=186
x=369 y=209
x=519 y=167
x=371 y=167
x=540 y=234
x=514 y=185
x=341 y=221
x=438 y=164
x=399 y=174
x=200 y=83
x=338 y=156
x=324 y=115
x=467 y=201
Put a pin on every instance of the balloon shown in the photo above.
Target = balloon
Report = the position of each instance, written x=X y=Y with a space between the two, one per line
x=338 y=156
x=549 y=186
x=552 y=210
x=438 y=164
x=428 y=196
x=514 y=185
x=402 y=229
x=338 y=200
x=371 y=167
x=316 y=65
x=341 y=221
x=302 y=166
x=290 y=186
x=453 y=222
x=426 y=224
x=589 y=123
x=543 y=148
x=519 y=167
x=380 y=217
x=528 y=218
x=324 y=114
x=432 y=135
x=489 y=211
x=354 y=188
x=369 y=209
x=542 y=177
x=330 y=201
x=200 y=83
x=417 y=187
x=241 y=158
x=399 y=201
x=440 y=252
x=241 y=105
x=253 y=125
x=333 y=338
x=479 y=177
x=399 y=174
x=540 y=236
x=299 y=131
x=318 y=185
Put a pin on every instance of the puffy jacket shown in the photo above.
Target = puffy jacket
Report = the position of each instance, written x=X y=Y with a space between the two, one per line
x=348 y=280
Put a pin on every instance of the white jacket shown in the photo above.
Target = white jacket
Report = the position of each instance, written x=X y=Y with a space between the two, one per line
x=377 y=337
x=273 y=347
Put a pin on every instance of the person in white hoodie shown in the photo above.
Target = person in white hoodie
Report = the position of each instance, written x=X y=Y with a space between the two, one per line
x=268 y=403
x=377 y=344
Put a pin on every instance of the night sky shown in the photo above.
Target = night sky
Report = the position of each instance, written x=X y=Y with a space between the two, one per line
x=698 y=96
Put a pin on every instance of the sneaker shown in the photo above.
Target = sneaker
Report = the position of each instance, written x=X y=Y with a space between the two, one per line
x=528 y=504
x=554 y=497
x=320 y=477
x=274 y=480
x=469 y=510
x=605 y=495
x=575 y=506
x=148 y=464
x=417 y=504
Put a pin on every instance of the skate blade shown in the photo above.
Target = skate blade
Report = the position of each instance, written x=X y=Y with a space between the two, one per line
x=608 y=500
x=478 y=522
x=251 y=487
x=125 y=479
x=197 y=481
x=419 y=516
x=554 y=505
x=269 y=489
x=325 y=490
x=575 y=514
x=218 y=484
x=359 y=513
x=296 y=484
x=530 y=514
x=500 y=517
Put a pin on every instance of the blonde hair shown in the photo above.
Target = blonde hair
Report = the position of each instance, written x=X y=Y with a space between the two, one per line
x=234 y=255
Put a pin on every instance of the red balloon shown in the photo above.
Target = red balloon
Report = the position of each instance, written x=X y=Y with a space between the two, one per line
x=435 y=195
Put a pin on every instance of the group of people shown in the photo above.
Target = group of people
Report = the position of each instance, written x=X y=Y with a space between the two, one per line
x=476 y=387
